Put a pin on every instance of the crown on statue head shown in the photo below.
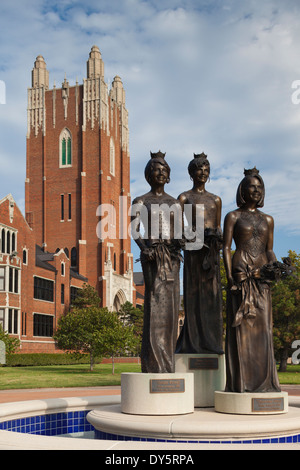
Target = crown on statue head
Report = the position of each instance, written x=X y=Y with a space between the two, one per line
x=251 y=172
x=200 y=155
x=158 y=154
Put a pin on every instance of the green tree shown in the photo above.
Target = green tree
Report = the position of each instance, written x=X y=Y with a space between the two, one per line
x=223 y=284
x=118 y=338
x=11 y=344
x=224 y=291
x=88 y=328
x=286 y=312
x=95 y=331
x=133 y=316
x=87 y=297
x=78 y=332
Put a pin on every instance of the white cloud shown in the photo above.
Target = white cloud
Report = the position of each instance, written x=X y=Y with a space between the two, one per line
x=211 y=76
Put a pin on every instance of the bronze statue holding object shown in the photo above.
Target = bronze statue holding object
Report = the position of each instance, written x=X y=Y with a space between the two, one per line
x=250 y=362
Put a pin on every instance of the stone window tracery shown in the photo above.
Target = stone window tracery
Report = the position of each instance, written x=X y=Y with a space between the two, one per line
x=65 y=149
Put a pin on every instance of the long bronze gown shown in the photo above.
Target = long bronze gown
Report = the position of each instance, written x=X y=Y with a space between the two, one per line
x=162 y=296
x=202 y=332
x=250 y=362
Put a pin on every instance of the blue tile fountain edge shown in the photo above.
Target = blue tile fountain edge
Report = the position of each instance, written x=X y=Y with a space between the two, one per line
x=71 y=422
x=271 y=440
x=50 y=425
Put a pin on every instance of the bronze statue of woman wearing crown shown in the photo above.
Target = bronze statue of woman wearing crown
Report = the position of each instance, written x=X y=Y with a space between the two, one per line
x=202 y=332
x=250 y=364
x=160 y=245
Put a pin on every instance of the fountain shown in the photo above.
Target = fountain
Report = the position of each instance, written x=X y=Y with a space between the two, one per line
x=190 y=399
x=239 y=402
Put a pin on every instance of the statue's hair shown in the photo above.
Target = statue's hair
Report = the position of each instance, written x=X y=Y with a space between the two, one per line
x=198 y=161
x=240 y=201
x=158 y=157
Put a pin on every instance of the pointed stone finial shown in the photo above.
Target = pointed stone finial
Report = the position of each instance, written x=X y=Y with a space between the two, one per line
x=40 y=74
x=95 y=66
x=117 y=91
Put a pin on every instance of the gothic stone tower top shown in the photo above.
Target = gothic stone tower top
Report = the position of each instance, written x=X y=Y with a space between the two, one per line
x=95 y=66
x=40 y=74
x=78 y=160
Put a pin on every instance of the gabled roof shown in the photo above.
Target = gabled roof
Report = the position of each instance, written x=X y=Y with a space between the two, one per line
x=78 y=276
x=138 y=279
x=42 y=258
x=9 y=197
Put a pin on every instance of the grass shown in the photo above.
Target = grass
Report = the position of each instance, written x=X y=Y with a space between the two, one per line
x=63 y=376
x=80 y=376
x=291 y=376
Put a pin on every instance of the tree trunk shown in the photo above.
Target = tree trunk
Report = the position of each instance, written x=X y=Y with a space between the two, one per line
x=283 y=360
x=113 y=364
x=91 y=362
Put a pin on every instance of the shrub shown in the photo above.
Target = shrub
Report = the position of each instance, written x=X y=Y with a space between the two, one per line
x=44 y=359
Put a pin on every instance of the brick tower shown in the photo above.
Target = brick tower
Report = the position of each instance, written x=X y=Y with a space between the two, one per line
x=77 y=160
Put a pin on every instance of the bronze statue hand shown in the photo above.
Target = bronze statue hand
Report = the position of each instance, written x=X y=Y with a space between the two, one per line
x=149 y=254
x=230 y=282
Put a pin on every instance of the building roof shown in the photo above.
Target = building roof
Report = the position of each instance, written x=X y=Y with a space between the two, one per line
x=138 y=279
x=42 y=258
x=77 y=275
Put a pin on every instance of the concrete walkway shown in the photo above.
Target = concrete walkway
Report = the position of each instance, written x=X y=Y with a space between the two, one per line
x=42 y=393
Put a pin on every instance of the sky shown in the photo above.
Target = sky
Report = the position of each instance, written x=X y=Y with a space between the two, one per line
x=213 y=76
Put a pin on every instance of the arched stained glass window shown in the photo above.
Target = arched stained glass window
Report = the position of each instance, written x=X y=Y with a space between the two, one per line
x=69 y=155
x=65 y=148
x=63 y=151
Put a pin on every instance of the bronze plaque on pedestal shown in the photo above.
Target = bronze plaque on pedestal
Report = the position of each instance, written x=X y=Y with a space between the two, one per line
x=203 y=363
x=267 y=404
x=167 y=386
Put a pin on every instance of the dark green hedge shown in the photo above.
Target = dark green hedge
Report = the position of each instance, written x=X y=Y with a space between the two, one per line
x=46 y=359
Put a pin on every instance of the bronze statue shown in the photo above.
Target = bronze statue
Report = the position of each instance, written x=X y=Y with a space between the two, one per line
x=202 y=331
x=160 y=246
x=250 y=363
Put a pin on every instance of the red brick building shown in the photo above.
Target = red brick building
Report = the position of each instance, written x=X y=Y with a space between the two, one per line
x=77 y=165
x=35 y=287
x=139 y=284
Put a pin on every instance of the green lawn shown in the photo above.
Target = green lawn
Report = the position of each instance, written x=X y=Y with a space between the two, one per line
x=63 y=376
x=291 y=376
x=80 y=376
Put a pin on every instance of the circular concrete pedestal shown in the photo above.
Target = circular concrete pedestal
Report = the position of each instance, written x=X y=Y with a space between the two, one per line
x=157 y=394
x=251 y=403
x=209 y=375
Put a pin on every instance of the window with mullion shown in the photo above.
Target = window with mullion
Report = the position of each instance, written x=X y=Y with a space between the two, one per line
x=69 y=152
x=63 y=151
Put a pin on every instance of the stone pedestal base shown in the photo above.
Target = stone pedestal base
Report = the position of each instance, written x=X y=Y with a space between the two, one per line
x=209 y=375
x=251 y=403
x=157 y=394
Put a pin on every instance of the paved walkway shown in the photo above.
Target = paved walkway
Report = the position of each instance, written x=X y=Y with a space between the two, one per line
x=293 y=390
x=39 y=394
